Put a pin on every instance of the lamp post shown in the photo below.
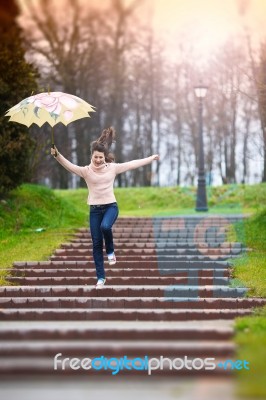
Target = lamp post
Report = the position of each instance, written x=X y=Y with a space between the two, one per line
x=201 y=203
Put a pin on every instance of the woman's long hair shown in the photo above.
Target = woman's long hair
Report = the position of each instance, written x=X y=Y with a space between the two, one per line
x=103 y=144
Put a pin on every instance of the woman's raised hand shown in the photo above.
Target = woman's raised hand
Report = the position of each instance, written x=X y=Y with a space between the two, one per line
x=155 y=157
x=54 y=151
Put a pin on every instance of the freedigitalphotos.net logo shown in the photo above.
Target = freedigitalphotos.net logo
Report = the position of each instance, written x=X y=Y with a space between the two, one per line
x=145 y=363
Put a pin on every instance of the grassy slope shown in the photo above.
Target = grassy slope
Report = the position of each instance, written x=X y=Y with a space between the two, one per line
x=251 y=331
x=33 y=223
x=251 y=268
x=251 y=341
x=59 y=212
x=154 y=201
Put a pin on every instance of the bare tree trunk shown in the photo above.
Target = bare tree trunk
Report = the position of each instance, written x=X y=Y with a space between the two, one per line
x=232 y=169
x=260 y=84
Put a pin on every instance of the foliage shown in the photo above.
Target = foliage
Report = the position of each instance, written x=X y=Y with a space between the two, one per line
x=17 y=80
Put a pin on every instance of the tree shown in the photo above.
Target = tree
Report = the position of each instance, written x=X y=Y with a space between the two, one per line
x=17 y=80
x=83 y=54
x=121 y=66
x=258 y=71
x=261 y=88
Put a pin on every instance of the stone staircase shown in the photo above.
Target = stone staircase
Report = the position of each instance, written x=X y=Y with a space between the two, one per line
x=168 y=295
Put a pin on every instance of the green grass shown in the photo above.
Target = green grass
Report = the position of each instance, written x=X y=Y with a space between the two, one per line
x=251 y=267
x=251 y=342
x=251 y=331
x=156 y=201
x=31 y=207
x=34 y=221
x=27 y=246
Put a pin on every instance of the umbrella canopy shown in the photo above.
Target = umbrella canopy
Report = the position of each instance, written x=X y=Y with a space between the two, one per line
x=51 y=107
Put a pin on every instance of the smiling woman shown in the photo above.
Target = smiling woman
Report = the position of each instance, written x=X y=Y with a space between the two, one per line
x=99 y=176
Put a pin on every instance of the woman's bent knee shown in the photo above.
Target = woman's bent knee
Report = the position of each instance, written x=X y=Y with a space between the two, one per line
x=106 y=228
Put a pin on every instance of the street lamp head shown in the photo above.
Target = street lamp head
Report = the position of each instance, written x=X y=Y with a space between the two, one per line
x=201 y=91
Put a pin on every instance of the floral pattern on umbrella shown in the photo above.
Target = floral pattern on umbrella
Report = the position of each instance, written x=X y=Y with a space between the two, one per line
x=53 y=107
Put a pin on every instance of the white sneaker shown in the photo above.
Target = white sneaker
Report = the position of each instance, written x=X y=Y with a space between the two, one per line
x=100 y=283
x=111 y=259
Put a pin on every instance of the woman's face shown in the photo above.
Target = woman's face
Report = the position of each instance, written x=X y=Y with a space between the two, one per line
x=98 y=158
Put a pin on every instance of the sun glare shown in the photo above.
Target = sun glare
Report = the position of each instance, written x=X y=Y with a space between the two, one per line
x=207 y=24
x=204 y=25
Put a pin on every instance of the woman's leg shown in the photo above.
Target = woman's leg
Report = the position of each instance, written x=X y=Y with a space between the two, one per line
x=96 y=216
x=109 y=218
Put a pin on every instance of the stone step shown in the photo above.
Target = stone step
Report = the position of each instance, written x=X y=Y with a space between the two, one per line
x=115 y=272
x=133 y=253
x=110 y=330
x=185 y=307
x=132 y=280
x=127 y=303
x=177 y=220
x=174 y=234
x=186 y=217
x=118 y=315
x=146 y=262
x=151 y=242
x=123 y=291
x=149 y=258
x=110 y=348
x=157 y=245
x=162 y=235
x=163 y=227
x=142 y=263
x=44 y=366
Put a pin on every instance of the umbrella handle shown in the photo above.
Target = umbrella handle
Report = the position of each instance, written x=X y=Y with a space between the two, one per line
x=53 y=146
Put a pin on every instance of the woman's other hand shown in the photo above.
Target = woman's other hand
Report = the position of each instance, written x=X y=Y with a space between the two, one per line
x=155 y=157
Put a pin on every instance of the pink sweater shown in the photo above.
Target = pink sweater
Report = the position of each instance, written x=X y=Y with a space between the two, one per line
x=100 y=180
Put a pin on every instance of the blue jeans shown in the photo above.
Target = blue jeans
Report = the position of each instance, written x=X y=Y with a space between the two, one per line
x=102 y=218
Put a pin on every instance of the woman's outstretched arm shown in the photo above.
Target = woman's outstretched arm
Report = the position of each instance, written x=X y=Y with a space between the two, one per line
x=75 y=169
x=123 y=167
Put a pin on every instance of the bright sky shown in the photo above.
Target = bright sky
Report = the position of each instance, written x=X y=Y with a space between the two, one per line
x=205 y=23
x=209 y=23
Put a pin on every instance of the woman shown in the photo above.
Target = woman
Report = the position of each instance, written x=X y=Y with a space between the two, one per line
x=99 y=176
